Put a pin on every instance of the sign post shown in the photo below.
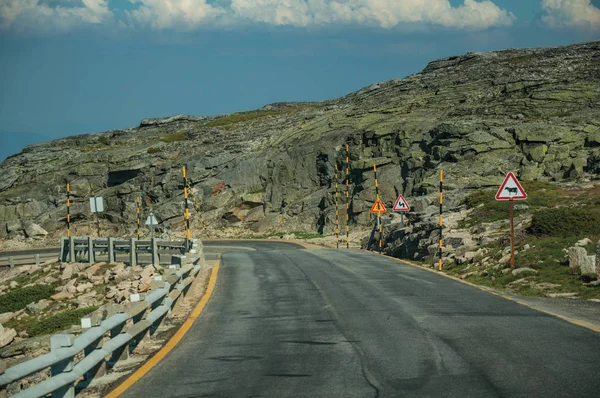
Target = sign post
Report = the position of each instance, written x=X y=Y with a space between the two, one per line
x=96 y=206
x=402 y=206
x=511 y=190
x=151 y=222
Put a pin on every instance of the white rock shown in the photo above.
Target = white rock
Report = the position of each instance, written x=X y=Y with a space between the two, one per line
x=13 y=284
x=583 y=242
x=6 y=316
x=7 y=335
x=82 y=287
x=35 y=231
x=519 y=271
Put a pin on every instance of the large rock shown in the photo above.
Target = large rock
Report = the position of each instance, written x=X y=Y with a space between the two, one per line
x=35 y=231
x=7 y=335
x=581 y=263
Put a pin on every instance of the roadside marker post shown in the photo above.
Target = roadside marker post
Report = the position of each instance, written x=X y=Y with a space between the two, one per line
x=378 y=208
x=337 y=211
x=347 y=196
x=187 y=209
x=441 y=216
x=511 y=190
x=139 y=216
x=68 y=210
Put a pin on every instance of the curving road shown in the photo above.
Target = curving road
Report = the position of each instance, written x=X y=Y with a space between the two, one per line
x=291 y=322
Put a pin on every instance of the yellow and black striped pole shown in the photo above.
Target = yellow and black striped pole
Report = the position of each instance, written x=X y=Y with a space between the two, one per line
x=337 y=211
x=197 y=207
x=379 y=224
x=198 y=210
x=347 y=197
x=68 y=210
x=441 y=215
x=97 y=215
x=187 y=208
x=139 y=217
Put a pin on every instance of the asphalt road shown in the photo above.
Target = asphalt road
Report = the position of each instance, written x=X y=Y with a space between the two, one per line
x=290 y=322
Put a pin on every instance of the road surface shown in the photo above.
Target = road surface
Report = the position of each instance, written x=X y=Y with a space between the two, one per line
x=290 y=322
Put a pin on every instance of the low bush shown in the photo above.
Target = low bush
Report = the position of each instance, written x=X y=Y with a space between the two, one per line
x=58 y=322
x=174 y=137
x=19 y=298
x=566 y=222
x=154 y=149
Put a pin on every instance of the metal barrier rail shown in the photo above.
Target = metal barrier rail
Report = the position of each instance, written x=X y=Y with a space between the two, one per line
x=146 y=313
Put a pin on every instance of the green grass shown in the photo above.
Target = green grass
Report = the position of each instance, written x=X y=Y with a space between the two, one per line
x=248 y=116
x=154 y=149
x=581 y=221
x=487 y=209
x=546 y=256
x=174 y=137
x=18 y=298
x=58 y=322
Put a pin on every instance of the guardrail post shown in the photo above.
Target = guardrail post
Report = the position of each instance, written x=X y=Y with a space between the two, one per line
x=63 y=249
x=2 y=370
x=72 y=257
x=91 y=254
x=111 y=250
x=123 y=352
x=155 y=256
x=132 y=252
x=57 y=342
x=37 y=259
x=11 y=262
x=100 y=368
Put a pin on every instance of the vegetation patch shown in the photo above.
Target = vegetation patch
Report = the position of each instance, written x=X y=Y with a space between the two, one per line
x=154 y=149
x=247 y=116
x=58 y=322
x=487 y=209
x=19 y=298
x=581 y=221
x=174 y=137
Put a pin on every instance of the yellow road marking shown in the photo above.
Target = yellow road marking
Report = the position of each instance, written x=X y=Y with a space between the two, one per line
x=588 y=325
x=152 y=362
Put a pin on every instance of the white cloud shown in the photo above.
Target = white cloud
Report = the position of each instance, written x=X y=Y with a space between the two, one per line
x=162 y=14
x=571 y=13
x=52 y=14
x=191 y=14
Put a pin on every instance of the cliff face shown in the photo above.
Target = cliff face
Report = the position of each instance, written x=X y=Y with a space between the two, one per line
x=477 y=116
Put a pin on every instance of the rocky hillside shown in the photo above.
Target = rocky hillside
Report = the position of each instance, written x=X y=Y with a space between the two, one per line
x=477 y=116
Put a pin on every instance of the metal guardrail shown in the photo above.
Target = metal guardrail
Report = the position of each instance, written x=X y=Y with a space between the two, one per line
x=74 y=248
x=113 y=338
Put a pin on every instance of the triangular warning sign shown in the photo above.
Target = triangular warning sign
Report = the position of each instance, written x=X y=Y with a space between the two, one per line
x=401 y=204
x=511 y=189
x=378 y=207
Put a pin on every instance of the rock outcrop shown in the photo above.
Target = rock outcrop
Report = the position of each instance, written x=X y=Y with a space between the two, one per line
x=477 y=116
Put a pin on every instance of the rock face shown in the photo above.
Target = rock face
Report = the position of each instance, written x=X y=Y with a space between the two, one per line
x=477 y=116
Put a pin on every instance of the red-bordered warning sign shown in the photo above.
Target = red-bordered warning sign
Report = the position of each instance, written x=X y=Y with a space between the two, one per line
x=378 y=207
x=511 y=189
x=401 y=204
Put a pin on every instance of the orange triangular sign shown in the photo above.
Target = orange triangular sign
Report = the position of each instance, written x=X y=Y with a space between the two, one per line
x=511 y=189
x=401 y=204
x=378 y=207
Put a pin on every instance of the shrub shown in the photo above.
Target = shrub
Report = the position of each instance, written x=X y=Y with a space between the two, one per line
x=58 y=322
x=154 y=149
x=566 y=222
x=174 y=137
x=19 y=298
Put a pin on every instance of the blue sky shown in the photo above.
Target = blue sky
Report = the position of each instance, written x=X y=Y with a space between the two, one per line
x=77 y=66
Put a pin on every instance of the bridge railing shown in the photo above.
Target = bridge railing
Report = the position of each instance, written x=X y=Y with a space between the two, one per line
x=75 y=361
x=103 y=249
